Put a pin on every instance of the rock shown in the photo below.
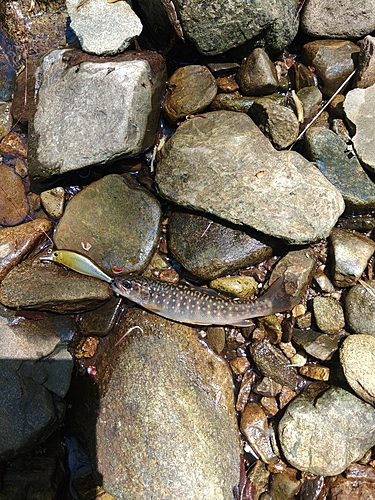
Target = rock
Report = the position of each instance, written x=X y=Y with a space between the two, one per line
x=216 y=338
x=333 y=60
x=267 y=387
x=244 y=180
x=222 y=26
x=258 y=476
x=315 y=372
x=329 y=315
x=240 y=286
x=320 y=345
x=32 y=366
x=360 y=308
x=116 y=220
x=359 y=109
x=13 y=202
x=341 y=20
x=303 y=76
x=100 y=321
x=18 y=242
x=329 y=152
x=257 y=74
x=358 y=362
x=181 y=401
x=297 y=267
x=254 y=427
x=325 y=428
x=7 y=70
x=365 y=76
x=232 y=102
x=272 y=363
x=350 y=255
x=5 y=119
x=226 y=84
x=113 y=112
x=103 y=28
x=278 y=123
x=191 y=89
x=311 y=99
x=53 y=201
x=350 y=489
x=285 y=485
x=49 y=287
x=210 y=249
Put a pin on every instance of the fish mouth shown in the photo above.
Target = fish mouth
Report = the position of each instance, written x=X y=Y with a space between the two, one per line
x=117 y=288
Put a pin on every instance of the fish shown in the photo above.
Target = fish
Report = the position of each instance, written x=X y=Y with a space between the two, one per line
x=77 y=262
x=188 y=304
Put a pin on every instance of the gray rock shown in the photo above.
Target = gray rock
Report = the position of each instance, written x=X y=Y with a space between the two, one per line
x=359 y=108
x=257 y=74
x=228 y=168
x=278 y=123
x=320 y=345
x=360 y=308
x=113 y=110
x=311 y=99
x=33 y=363
x=343 y=19
x=325 y=429
x=116 y=219
x=303 y=76
x=333 y=60
x=329 y=152
x=209 y=249
x=350 y=255
x=5 y=119
x=103 y=28
x=53 y=201
x=365 y=76
x=171 y=419
x=358 y=362
x=329 y=315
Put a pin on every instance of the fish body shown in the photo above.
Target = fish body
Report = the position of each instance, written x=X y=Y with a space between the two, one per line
x=188 y=304
x=78 y=262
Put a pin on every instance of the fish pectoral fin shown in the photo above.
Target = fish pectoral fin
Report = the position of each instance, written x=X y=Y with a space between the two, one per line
x=152 y=308
x=243 y=323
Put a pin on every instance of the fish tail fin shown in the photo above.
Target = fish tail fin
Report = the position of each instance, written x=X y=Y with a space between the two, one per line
x=278 y=298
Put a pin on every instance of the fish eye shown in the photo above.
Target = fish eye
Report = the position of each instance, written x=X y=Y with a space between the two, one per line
x=55 y=254
x=127 y=284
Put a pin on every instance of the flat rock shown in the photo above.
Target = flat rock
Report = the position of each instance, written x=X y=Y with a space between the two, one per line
x=176 y=401
x=113 y=112
x=360 y=308
x=325 y=428
x=360 y=108
x=116 y=220
x=103 y=28
x=13 y=201
x=244 y=180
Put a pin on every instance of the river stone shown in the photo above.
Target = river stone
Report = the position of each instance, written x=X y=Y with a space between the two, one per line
x=320 y=345
x=13 y=201
x=325 y=428
x=103 y=28
x=333 y=60
x=329 y=152
x=360 y=308
x=113 y=112
x=216 y=27
x=257 y=74
x=359 y=108
x=357 y=357
x=365 y=75
x=329 y=314
x=343 y=19
x=311 y=99
x=190 y=90
x=209 y=249
x=32 y=366
x=5 y=119
x=244 y=180
x=166 y=427
x=117 y=220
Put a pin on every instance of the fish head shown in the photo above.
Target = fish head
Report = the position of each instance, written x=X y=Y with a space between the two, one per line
x=132 y=288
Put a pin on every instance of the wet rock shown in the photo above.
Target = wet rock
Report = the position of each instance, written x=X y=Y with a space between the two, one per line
x=267 y=387
x=350 y=253
x=254 y=427
x=117 y=222
x=342 y=20
x=53 y=202
x=272 y=363
x=341 y=488
x=240 y=286
x=278 y=123
x=17 y=243
x=210 y=249
x=178 y=405
x=333 y=61
x=365 y=76
x=232 y=102
x=303 y=76
x=257 y=74
x=324 y=282
x=329 y=152
x=358 y=362
x=226 y=84
x=325 y=428
x=14 y=144
x=49 y=287
x=5 y=119
x=362 y=224
x=311 y=99
x=114 y=106
x=272 y=328
x=222 y=26
x=315 y=372
x=34 y=363
x=258 y=477
x=285 y=485
x=329 y=315
x=103 y=28
x=360 y=308
x=244 y=180
x=13 y=202
x=359 y=109
x=101 y=320
x=216 y=338
x=191 y=89
x=320 y=345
